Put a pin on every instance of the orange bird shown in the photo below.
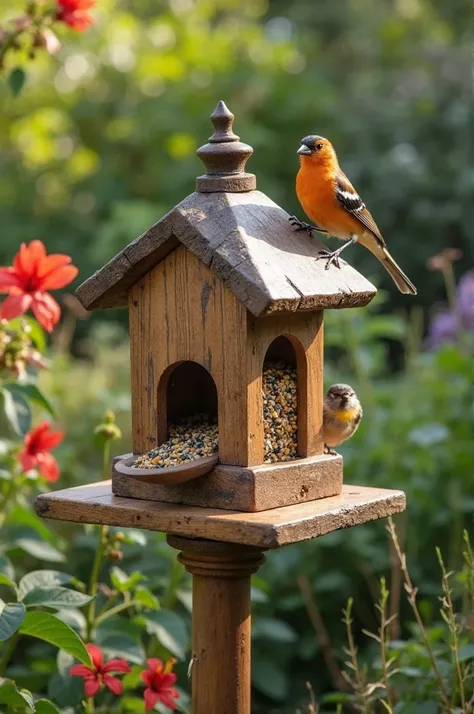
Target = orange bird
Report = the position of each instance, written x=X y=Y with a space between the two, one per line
x=331 y=202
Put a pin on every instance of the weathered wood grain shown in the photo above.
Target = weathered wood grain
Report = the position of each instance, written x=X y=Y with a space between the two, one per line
x=180 y=311
x=95 y=503
x=221 y=623
x=254 y=489
x=248 y=243
x=304 y=331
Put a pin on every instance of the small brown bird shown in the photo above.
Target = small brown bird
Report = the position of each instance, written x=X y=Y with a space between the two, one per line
x=332 y=203
x=342 y=415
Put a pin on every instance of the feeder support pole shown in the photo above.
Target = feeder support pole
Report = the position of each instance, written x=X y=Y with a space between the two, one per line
x=220 y=671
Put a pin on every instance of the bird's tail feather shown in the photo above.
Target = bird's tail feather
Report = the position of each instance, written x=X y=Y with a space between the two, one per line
x=403 y=283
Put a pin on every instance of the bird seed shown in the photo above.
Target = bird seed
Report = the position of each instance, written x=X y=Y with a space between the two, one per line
x=197 y=436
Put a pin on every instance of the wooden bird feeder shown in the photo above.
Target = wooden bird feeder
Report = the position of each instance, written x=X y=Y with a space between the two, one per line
x=219 y=287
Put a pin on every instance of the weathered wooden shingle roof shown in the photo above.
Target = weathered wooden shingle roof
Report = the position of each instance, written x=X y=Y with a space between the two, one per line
x=248 y=242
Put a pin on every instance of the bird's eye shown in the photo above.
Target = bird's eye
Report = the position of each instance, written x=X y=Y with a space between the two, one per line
x=319 y=146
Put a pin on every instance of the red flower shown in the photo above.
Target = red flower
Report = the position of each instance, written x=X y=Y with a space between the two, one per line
x=75 y=13
x=38 y=443
x=159 y=680
x=98 y=674
x=32 y=274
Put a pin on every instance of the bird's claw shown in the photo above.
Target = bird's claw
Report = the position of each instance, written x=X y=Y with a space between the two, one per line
x=302 y=226
x=331 y=258
x=328 y=450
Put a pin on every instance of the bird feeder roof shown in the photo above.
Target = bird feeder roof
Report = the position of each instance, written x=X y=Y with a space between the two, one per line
x=241 y=235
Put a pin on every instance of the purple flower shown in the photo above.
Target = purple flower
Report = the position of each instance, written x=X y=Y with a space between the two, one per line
x=443 y=328
x=445 y=325
x=465 y=293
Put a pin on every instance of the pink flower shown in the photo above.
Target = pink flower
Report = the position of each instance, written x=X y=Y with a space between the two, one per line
x=159 y=680
x=75 y=13
x=37 y=445
x=99 y=673
x=32 y=274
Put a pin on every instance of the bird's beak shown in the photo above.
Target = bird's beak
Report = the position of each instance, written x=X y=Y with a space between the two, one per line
x=304 y=149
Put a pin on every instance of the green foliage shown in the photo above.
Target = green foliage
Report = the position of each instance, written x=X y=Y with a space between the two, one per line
x=101 y=143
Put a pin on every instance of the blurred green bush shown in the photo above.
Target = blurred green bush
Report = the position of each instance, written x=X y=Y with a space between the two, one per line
x=101 y=143
x=416 y=435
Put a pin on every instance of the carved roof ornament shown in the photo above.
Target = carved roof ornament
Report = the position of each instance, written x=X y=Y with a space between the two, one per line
x=225 y=157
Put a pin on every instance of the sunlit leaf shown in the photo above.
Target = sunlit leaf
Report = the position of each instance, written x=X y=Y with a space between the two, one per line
x=14 y=697
x=17 y=411
x=56 y=597
x=42 y=578
x=30 y=392
x=49 y=628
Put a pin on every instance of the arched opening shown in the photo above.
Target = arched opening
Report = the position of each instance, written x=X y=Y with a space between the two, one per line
x=283 y=380
x=187 y=406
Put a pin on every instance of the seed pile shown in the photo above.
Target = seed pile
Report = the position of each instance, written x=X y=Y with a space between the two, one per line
x=197 y=436
x=280 y=410
x=189 y=440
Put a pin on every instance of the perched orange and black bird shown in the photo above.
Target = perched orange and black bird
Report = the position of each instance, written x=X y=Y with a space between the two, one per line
x=334 y=206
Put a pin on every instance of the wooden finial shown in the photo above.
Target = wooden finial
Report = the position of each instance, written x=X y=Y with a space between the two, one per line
x=225 y=157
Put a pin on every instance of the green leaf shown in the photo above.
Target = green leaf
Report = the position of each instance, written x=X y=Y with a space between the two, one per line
x=44 y=706
x=272 y=629
x=30 y=392
x=14 y=697
x=19 y=516
x=56 y=597
x=33 y=328
x=74 y=618
x=11 y=616
x=123 y=582
x=17 y=411
x=146 y=598
x=6 y=567
x=66 y=691
x=49 y=628
x=4 y=580
x=120 y=637
x=270 y=679
x=42 y=579
x=170 y=630
x=39 y=549
x=466 y=652
x=16 y=80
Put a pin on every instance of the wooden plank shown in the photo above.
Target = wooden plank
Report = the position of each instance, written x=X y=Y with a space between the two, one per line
x=95 y=503
x=248 y=243
x=236 y=488
x=180 y=311
x=305 y=332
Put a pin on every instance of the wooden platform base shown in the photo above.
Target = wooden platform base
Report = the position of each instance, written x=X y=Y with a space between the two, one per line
x=95 y=503
x=252 y=489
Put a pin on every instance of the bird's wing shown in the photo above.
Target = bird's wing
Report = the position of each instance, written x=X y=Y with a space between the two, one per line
x=349 y=199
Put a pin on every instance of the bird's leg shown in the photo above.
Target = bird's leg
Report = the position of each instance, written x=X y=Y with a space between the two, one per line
x=328 y=450
x=334 y=256
x=302 y=226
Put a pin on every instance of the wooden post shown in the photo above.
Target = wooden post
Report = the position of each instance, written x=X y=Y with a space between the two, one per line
x=221 y=680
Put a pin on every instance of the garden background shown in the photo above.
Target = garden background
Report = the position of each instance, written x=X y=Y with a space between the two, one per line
x=101 y=143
